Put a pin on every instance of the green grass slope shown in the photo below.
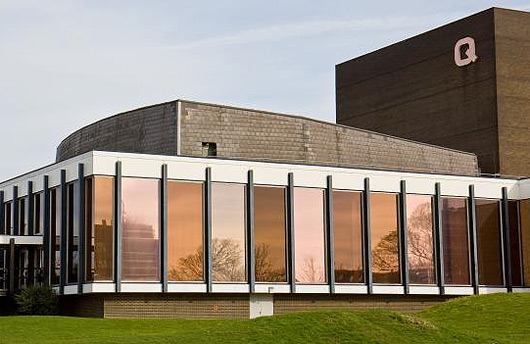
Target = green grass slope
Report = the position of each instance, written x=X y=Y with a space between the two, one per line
x=478 y=319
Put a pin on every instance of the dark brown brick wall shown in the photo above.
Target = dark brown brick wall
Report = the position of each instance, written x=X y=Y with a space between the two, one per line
x=512 y=32
x=401 y=303
x=413 y=89
x=258 y=135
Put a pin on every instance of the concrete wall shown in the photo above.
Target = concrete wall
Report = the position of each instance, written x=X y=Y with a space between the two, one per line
x=414 y=89
x=257 y=135
x=152 y=129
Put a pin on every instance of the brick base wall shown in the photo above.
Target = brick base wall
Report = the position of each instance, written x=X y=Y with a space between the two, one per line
x=230 y=305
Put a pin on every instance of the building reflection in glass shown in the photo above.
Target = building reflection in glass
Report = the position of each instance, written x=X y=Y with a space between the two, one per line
x=141 y=222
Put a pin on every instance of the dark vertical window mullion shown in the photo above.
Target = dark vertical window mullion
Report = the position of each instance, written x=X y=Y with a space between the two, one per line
x=208 y=231
x=290 y=233
x=403 y=237
x=473 y=239
x=64 y=232
x=367 y=249
x=30 y=209
x=330 y=235
x=2 y=215
x=118 y=227
x=439 y=239
x=81 y=203
x=251 y=264
x=505 y=237
x=164 y=230
x=46 y=230
x=14 y=212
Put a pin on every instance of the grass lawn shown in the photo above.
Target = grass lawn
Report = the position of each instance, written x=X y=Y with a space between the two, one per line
x=498 y=318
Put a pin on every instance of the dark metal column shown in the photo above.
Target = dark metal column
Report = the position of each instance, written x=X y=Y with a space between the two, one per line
x=473 y=239
x=330 y=235
x=403 y=237
x=30 y=209
x=367 y=247
x=11 y=271
x=2 y=215
x=118 y=227
x=164 y=236
x=507 y=254
x=251 y=264
x=208 y=231
x=81 y=203
x=46 y=231
x=438 y=238
x=290 y=233
x=15 y=211
x=64 y=232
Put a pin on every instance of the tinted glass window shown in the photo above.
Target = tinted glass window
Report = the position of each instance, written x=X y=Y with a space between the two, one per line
x=269 y=234
x=420 y=245
x=489 y=242
x=455 y=241
x=515 y=243
x=525 y=239
x=141 y=228
x=348 y=246
x=385 y=238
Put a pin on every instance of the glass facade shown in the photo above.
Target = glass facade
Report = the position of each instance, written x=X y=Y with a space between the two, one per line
x=515 y=244
x=141 y=229
x=525 y=239
x=22 y=216
x=455 y=241
x=38 y=213
x=269 y=234
x=384 y=227
x=8 y=218
x=228 y=232
x=55 y=235
x=72 y=229
x=420 y=243
x=185 y=204
x=489 y=249
x=309 y=245
x=100 y=229
x=348 y=244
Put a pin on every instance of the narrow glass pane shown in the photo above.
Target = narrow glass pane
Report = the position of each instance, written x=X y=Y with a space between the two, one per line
x=100 y=228
x=489 y=242
x=269 y=234
x=8 y=216
x=455 y=241
x=525 y=239
x=55 y=232
x=228 y=232
x=348 y=245
x=515 y=243
x=72 y=226
x=185 y=231
x=141 y=229
x=310 y=250
x=38 y=217
x=385 y=238
x=22 y=216
x=420 y=245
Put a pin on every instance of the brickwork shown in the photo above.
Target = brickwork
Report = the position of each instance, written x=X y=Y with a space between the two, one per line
x=401 y=303
x=176 y=306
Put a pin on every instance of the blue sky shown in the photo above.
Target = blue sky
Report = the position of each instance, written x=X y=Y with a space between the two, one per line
x=65 y=64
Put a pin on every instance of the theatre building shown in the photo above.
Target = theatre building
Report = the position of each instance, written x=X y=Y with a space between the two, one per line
x=187 y=209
